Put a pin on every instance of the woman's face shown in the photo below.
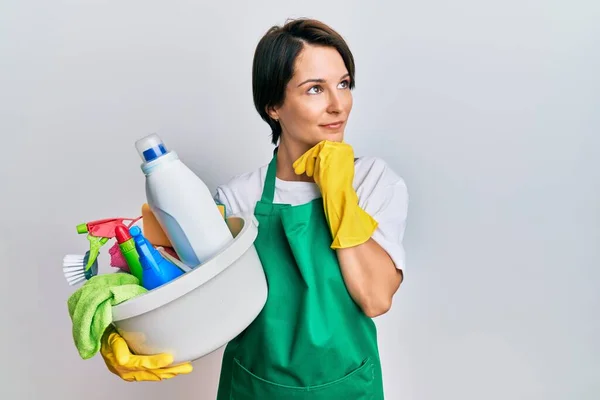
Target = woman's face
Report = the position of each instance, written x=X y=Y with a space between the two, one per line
x=318 y=99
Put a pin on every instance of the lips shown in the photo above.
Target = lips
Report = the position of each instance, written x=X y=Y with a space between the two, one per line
x=333 y=125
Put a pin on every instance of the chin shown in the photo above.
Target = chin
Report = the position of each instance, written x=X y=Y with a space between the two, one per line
x=319 y=137
x=330 y=138
x=335 y=138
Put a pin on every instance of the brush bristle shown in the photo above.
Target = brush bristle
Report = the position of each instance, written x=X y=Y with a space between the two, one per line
x=73 y=257
x=74 y=277
x=69 y=268
x=73 y=264
x=75 y=281
x=74 y=268
x=73 y=273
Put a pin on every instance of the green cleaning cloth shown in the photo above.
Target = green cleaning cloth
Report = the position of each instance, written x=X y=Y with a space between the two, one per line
x=90 y=308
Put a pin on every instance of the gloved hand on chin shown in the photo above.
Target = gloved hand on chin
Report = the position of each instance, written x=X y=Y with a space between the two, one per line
x=130 y=367
x=331 y=164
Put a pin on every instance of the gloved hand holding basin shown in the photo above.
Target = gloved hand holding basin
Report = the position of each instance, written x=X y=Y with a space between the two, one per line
x=200 y=311
x=131 y=367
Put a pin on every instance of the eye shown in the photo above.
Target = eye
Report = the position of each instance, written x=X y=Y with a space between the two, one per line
x=315 y=89
x=345 y=84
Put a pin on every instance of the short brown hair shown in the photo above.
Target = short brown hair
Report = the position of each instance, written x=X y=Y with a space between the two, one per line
x=275 y=56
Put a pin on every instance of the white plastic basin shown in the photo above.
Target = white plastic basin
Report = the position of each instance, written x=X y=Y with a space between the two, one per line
x=203 y=309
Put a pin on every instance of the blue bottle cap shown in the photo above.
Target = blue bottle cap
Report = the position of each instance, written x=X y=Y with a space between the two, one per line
x=150 y=147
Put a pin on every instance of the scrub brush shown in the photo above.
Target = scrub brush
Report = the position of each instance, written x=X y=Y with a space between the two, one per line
x=74 y=268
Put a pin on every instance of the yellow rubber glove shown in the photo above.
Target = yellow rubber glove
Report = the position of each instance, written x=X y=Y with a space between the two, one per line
x=331 y=164
x=130 y=367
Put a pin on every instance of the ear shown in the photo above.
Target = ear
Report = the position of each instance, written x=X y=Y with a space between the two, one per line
x=272 y=112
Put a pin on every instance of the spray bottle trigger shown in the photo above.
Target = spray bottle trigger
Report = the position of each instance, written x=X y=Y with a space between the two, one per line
x=95 y=244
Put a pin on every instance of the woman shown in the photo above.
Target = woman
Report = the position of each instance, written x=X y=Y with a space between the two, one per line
x=330 y=236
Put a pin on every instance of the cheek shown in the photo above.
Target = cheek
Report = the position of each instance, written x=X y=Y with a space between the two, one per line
x=315 y=110
x=305 y=112
x=348 y=102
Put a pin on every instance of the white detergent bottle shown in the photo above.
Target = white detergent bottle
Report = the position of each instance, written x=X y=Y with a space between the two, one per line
x=182 y=204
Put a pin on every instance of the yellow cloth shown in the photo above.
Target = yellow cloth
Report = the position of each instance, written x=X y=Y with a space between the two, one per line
x=331 y=164
x=130 y=367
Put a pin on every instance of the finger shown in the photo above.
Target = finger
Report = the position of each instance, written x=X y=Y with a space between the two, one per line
x=140 y=376
x=348 y=149
x=122 y=372
x=170 y=372
x=154 y=361
x=317 y=169
x=310 y=166
x=308 y=160
x=111 y=363
x=300 y=165
x=342 y=148
x=119 y=348
x=165 y=375
x=124 y=357
x=157 y=374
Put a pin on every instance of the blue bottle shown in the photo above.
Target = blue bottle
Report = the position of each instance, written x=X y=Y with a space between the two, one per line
x=156 y=269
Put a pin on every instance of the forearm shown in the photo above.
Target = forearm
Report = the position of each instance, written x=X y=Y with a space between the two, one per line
x=370 y=275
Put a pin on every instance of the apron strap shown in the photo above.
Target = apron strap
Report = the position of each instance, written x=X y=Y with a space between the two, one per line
x=268 y=194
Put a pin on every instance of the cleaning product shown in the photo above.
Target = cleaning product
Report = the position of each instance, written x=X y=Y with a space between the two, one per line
x=169 y=257
x=156 y=270
x=99 y=233
x=127 y=247
x=182 y=204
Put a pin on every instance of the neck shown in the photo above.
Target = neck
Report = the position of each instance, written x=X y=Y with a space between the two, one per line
x=286 y=155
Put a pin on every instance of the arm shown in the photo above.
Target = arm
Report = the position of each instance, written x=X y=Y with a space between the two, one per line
x=370 y=276
x=366 y=211
x=373 y=270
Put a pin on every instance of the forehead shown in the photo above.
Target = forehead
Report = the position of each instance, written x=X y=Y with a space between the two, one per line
x=319 y=62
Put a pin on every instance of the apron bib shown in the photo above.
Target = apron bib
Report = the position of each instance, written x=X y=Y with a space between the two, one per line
x=311 y=340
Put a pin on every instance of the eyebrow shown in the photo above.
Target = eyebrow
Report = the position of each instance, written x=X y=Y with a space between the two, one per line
x=320 y=80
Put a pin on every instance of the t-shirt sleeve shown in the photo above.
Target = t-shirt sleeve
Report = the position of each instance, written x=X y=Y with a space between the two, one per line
x=240 y=194
x=221 y=198
x=384 y=195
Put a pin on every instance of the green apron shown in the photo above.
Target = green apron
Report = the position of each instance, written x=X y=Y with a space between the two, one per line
x=311 y=340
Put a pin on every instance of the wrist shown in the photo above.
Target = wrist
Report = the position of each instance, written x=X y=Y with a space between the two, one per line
x=349 y=224
x=357 y=224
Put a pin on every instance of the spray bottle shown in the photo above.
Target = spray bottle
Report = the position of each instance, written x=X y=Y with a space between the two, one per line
x=156 y=269
x=100 y=232
x=127 y=248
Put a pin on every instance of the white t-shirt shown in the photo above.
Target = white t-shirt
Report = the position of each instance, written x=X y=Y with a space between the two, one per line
x=381 y=193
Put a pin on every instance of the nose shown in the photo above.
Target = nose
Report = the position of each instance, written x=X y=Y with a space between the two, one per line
x=335 y=103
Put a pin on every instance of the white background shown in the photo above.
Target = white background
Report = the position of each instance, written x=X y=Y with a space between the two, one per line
x=489 y=110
